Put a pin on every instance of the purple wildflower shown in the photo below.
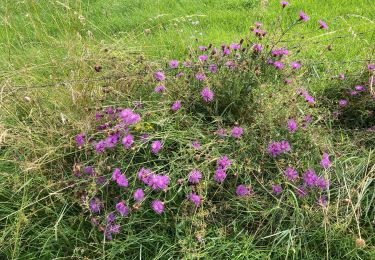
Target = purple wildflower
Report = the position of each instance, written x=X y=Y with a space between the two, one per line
x=292 y=126
x=138 y=195
x=127 y=141
x=202 y=57
x=371 y=67
x=291 y=174
x=202 y=48
x=95 y=205
x=194 y=176
x=235 y=46
x=89 y=170
x=159 y=89
x=276 y=148
x=224 y=162
x=276 y=189
x=176 y=105
x=278 y=65
x=196 y=199
x=237 y=132
x=111 y=217
x=284 y=4
x=257 y=47
x=303 y=16
x=258 y=24
x=196 y=145
x=242 y=190
x=341 y=76
x=221 y=132
x=343 y=102
x=112 y=140
x=80 y=140
x=173 y=64
x=186 y=64
x=158 y=182
x=322 y=183
x=212 y=68
x=122 y=209
x=220 y=175
x=301 y=191
x=353 y=92
x=325 y=162
x=359 y=88
x=116 y=173
x=129 y=117
x=323 y=25
x=200 y=76
x=295 y=65
x=226 y=52
x=156 y=146
x=157 y=206
x=122 y=180
x=207 y=94
x=100 y=146
x=144 y=174
x=159 y=76
x=322 y=201
x=310 y=178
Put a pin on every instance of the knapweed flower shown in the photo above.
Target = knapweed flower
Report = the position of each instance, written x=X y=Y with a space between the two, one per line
x=207 y=94
x=159 y=76
x=156 y=146
x=343 y=102
x=196 y=145
x=230 y=64
x=301 y=191
x=291 y=174
x=221 y=132
x=310 y=178
x=116 y=173
x=224 y=162
x=306 y=95
x=341 y=76
x=95 y=205
x=276 y=148
x=278 y=65
x=292 y=126
x=276 y=189
x=279 y=52
x=202 y=57
x=237 y=132
x=173 y=64
x=257 y=47
x=158 y=182
x=284 y=4
x=371 y=67
x=202 y=48
x=127 y=141
x=242 y=190
x=159 y=89
x=122 y=209
x=89 y=170
x=303 y=16
x=353 y=92
x=325 y=162
x=186 y=64
x=322 y=183
x=128 y=117
x=80 y=140
x=295 y=65
x=322 y=201
x=100 y=146
x=138 y=195
x=195 y=198
x=258 y=24
x=359 y=88
x=226 y=52
x=323 y=25
x=176 y=105
x=200 y=76
x=235 y=46
x=212 y=68
x=194 y=176
x=157 y=206
x=144 y=174
x=119 y=178
x=220 y=175
x=112 y=140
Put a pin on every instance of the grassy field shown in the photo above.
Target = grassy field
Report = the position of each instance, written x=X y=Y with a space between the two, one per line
x=45 y=42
